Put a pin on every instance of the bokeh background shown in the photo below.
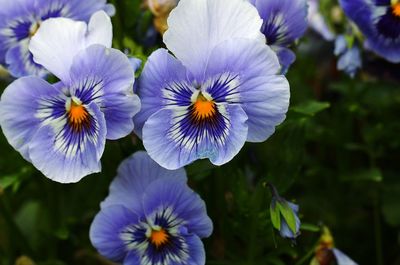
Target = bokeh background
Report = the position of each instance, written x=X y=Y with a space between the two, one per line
x=337 y=155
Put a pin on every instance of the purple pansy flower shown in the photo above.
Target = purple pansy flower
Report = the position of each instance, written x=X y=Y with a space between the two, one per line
x=350 y=59
x=379 y=21
x=62 y=128
x=20 y=20
x=284 y=22
x=220 y=90
x=151 y=217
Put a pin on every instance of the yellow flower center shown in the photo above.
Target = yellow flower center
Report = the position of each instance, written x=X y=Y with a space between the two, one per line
x=204 y=108
x=159 y=237
x=78 y=115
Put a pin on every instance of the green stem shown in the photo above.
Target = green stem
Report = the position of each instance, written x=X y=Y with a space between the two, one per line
x=378 y=230
x=308 y=255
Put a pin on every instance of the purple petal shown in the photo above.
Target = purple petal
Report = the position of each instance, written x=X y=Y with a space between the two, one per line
x=379 y=25
x=135 y=175
x=132 y=258
x=173 y=141
x=106 y=228
x=105 y=76
x=160 y=70
x=18 y=110
x=20 y=61
x=284 y=20
x=286 y=58
x=66 y=155
x=263 y=93
x=186 y=205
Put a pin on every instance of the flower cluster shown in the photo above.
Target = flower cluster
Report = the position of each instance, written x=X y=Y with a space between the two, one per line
x=218 y=84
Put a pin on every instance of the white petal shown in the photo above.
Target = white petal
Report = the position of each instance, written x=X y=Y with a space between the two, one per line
x=56 y=43
x=196 y=27
x=100 y=30
x=58 y=40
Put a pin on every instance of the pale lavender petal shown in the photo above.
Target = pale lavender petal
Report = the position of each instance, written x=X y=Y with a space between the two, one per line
x=19 y=106
x=135 y=175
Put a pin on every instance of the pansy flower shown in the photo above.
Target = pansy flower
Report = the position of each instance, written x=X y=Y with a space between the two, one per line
x=379 y=21
x=20 y=20
x=350 y=59
x=285 y=21
x=220 y=90
x=62 y=128
x=151 y=217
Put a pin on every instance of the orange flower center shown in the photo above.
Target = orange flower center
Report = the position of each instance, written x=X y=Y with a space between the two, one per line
x=204 y=108
x=78 y=115
x=396 y=9
x=159 y=237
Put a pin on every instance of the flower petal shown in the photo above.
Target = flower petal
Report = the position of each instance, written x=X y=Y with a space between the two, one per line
x=66 y=155
x=106 y=228
x=379 y=25
x=18 y=108
x=342 y=259
x=20 y=61
x=82 y=10
x=172 y=141
x=286 y=57
x=132 y=258
x=58 y=40
x=196 y=27
x=135 y=174
x=160 y=71
x=263 y=94
x=284 y=20
x=105 y=76
x=186 y=205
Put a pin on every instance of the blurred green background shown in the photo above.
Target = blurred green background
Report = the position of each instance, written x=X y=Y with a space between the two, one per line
x=337 y=155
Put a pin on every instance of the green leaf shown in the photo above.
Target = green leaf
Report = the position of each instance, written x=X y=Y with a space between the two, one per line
x=288 y=215
x=275 y=216
x=310 y=227
x=310 y=108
